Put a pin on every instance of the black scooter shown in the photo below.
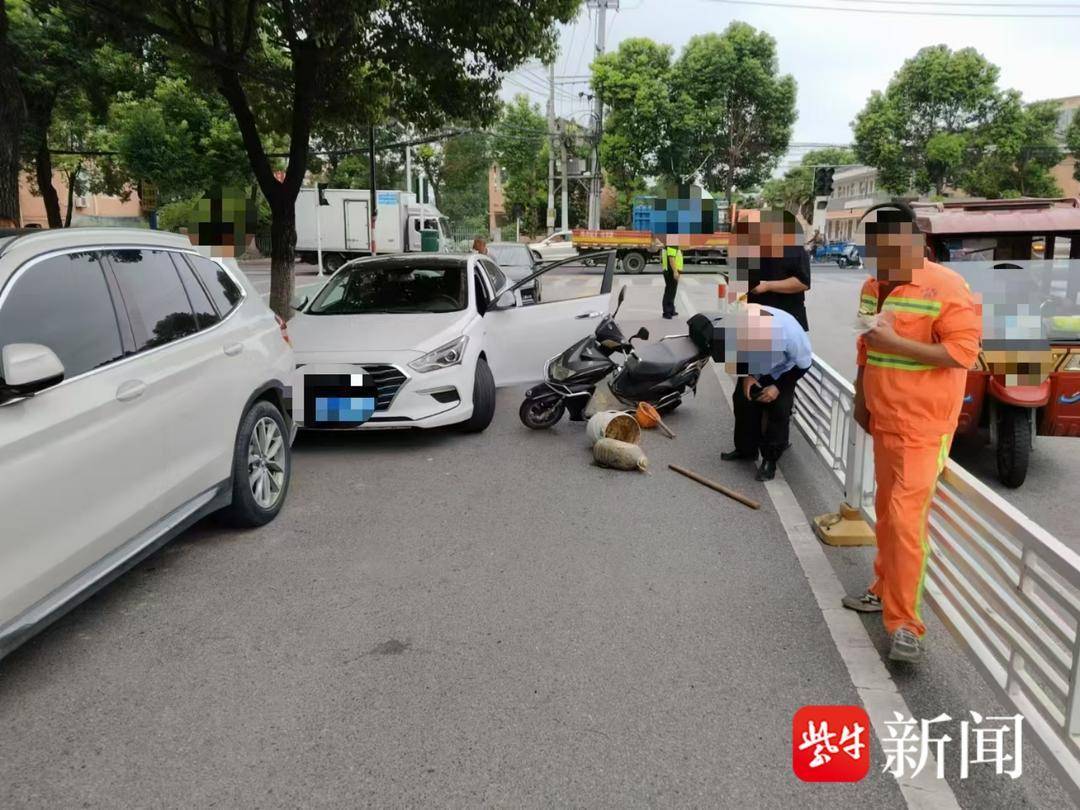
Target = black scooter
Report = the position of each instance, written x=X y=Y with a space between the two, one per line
x=658 y=374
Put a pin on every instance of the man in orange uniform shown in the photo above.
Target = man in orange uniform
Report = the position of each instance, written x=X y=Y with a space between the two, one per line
x=923 y=336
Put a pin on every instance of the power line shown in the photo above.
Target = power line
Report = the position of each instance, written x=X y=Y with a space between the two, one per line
x=976 y=5
x=905 y=13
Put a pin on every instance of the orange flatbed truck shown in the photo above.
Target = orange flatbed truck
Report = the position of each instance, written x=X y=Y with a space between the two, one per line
x=636 y=248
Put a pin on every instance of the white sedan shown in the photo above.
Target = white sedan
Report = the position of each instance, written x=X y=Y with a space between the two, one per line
x=423 y=340
x=555 y=247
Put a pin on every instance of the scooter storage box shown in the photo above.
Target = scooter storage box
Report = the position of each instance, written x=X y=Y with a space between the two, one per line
x=707 y=332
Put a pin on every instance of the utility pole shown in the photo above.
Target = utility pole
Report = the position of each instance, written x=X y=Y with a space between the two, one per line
x=551 y=149
x=596 y=182
x=565 y=186
x=374 y=202
x=408 y=168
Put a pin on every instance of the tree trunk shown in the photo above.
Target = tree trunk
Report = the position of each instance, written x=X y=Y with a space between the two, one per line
x=73 y=178
x=43 y=170
x=12 y=119
x=282 y=253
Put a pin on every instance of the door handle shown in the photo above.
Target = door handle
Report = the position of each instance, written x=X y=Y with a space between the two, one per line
x=233 y=349
x=132 y=389
x=585 y=315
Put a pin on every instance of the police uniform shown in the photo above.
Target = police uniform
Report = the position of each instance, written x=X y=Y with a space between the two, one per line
x=671 y=259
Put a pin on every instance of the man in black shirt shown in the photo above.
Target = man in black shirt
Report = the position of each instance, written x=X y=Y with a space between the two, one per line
x=770 y=259
x=771 y=262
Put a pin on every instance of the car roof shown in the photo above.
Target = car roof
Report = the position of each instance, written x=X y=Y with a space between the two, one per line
x=18 y=249
x=429 y=259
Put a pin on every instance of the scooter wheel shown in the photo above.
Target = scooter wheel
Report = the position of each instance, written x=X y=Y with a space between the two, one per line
x=539 y=414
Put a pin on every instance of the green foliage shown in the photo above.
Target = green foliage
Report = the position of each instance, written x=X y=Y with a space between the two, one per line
x=1072 y=142
x=1017 y=152
x=181 y=140
x=458 y=171
x=794 y=191
x=720 y=114
x=520 y=148
x=943 y=123
x=739 y=111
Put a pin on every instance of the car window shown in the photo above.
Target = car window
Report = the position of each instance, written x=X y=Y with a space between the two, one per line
x=205 y=315
x=511 y=255
x=496 y=277
x=224 y=292
x=64 y=303
x=419 y=285
x=154 y=296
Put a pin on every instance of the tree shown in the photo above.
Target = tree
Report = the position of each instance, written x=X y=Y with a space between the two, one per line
x=633 y=83
x=458 y=172
x=1016 y=152
x=794 y=191
x=12 y=119
x=285 y=66
x=1072 y=142
x=182 y=141
x=521 y=149
x=736 y=110
x=921 y=132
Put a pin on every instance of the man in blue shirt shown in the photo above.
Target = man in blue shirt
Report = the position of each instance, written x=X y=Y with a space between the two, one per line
x=773 y=353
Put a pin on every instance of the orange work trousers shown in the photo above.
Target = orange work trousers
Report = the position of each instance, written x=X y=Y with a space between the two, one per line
x=906 y=469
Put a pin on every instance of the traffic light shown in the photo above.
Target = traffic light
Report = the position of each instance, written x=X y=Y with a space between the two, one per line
x=823 y=181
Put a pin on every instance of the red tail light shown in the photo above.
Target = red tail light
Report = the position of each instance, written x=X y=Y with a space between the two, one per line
x=284 y=327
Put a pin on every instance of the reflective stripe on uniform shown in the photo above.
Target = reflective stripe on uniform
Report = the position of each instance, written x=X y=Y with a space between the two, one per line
x=917 y=306
x=924 y=535
x=895 y=361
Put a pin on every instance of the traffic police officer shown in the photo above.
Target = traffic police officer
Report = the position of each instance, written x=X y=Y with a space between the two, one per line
x=671 y=259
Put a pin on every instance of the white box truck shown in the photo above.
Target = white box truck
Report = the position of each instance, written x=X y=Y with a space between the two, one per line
x=345 y=224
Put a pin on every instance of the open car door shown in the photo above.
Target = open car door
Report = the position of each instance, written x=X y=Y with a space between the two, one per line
x=520 y=338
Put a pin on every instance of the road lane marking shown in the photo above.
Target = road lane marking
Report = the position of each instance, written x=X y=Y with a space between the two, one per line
x=875 y=687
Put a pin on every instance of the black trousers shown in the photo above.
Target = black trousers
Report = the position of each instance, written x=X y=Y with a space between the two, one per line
x=671 y=286
x=765 y=427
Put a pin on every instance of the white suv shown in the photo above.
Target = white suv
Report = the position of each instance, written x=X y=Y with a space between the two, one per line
x=142 y=386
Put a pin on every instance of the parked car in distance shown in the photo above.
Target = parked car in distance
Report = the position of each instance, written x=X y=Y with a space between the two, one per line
x=519 y=262
x=555 y=247
x=143 y=385
x=424 y=340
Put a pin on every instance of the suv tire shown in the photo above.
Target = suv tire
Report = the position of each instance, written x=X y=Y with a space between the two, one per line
x=261 y=469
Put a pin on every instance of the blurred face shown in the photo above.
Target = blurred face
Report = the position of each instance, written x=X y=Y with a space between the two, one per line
x=895 y=250
x=750 y=334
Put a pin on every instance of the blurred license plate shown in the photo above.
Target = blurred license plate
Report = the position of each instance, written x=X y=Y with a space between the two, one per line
x=339 y=400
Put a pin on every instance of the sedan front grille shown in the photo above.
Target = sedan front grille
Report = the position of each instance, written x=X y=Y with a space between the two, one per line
x=388 y=380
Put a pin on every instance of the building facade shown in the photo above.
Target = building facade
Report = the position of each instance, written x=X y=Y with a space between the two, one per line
x=89 y=209
x=855 y=189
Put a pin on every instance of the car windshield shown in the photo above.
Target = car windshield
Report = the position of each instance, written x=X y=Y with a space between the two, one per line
x=415 y=286
x=510 y=255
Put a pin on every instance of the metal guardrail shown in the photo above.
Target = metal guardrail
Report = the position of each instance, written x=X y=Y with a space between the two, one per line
x=1007 y=589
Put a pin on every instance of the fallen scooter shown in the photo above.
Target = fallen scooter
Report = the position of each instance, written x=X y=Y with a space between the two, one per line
x=658 y=374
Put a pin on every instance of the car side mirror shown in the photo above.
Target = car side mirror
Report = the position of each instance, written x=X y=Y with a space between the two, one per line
x=301 y=302
x=536 y=255
x=504 y=301
x=28 y=368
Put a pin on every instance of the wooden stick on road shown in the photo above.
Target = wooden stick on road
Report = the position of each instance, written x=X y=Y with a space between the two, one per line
x=713 y=485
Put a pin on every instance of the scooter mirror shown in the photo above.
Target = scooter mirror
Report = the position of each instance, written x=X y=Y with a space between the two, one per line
x=622 y=294
x=642 y=334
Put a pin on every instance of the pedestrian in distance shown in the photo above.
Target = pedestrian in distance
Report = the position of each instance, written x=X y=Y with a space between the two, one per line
x=922 y=329
x=772 y=354
x=671 y=260
x=479 y=245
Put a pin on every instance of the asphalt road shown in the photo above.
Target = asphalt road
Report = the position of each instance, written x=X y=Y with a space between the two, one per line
x=439 y=619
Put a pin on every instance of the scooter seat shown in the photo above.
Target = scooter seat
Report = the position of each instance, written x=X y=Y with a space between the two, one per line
x=656 y=361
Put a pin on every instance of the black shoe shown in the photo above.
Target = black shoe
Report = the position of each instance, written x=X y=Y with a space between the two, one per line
x=767 y=470
x=735 y=455
x=668 y=317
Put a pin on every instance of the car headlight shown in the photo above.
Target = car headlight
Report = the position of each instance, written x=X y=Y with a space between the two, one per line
x=445 y=356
